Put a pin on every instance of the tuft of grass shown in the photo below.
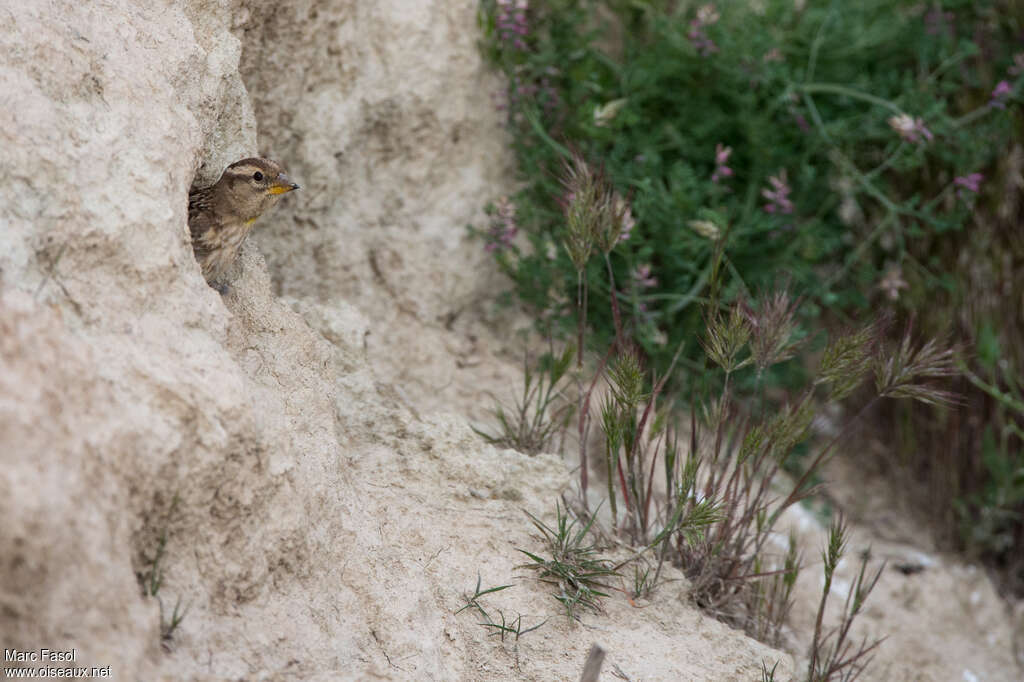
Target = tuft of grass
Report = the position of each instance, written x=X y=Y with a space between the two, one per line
x=573 y=565
x=168 y=625
x=720 y=510
x=506 y=627
x=151 y=580
x=541 y=413
x=472 y=601
x=510 y=628
x=771 y=597
x=833 y=655
x=740 y=457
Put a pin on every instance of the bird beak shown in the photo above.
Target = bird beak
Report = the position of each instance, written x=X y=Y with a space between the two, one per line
x=282 y=185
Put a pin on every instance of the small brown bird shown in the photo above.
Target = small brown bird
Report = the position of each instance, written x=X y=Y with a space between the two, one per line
x=221 y=216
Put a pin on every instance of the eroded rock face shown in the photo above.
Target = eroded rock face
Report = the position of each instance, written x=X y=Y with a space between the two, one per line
x=387 y=113
x=65 y=575
x=320 y=523
x=138 y=398
x=323 y=516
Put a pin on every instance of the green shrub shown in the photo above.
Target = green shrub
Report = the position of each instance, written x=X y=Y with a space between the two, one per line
x=719 y=507
x=859 y=154
x=812 y=141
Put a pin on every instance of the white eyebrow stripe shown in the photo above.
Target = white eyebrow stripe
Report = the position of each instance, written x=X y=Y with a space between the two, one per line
x=244 y=170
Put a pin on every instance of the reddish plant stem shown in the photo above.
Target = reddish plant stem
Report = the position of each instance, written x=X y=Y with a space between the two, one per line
x=643 y=420
x=650 y=483
x=796 y=495
x=622 y=482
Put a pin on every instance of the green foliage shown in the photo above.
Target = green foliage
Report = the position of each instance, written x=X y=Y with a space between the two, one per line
x=151 y=578
x=472 y=601
x=540 y=413
x=864 y=149
x=500 y=626
x=848 y=124
x=574 y=566
x=845 y=361
x=834 y=655
x=991 y=518
x=720 y=509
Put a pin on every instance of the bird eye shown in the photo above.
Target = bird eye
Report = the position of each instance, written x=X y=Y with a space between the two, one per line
x=257 y=176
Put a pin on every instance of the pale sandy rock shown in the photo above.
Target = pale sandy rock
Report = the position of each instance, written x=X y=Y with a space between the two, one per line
x=942 y=620
x=326 y=505
x=322 y=519
x=66 y=574
x=384 y=112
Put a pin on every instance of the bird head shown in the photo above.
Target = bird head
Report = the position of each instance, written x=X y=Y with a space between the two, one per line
x=252 y=186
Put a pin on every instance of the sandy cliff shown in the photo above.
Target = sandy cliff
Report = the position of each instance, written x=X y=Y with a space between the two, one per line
x=302 y=444
x=322 y=512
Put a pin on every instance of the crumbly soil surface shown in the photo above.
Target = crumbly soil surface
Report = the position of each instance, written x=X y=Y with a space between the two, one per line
x=294 y=459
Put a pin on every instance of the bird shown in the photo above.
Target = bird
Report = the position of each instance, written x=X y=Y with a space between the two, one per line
x=221 y=216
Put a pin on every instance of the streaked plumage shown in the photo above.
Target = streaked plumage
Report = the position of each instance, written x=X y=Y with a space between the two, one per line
x=221 y=216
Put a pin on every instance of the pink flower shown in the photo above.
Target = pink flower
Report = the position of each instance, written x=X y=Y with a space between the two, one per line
x=1018 y=65
x=968 y=183
x=503 y=227
x=721 y=158
x=778 y=195
x=706 y=15
x=705 y=46
x=622 y=208
x=642 y=277
x=511 y=22
x=909 y=128
x=892 y=282
x=1000 y=95
x=722 y=154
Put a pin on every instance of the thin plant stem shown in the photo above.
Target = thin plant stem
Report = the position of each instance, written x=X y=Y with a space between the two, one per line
x=580 y=318
x=617 y=319
x=802 y=481
x=584 y=412
x=836 y=89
